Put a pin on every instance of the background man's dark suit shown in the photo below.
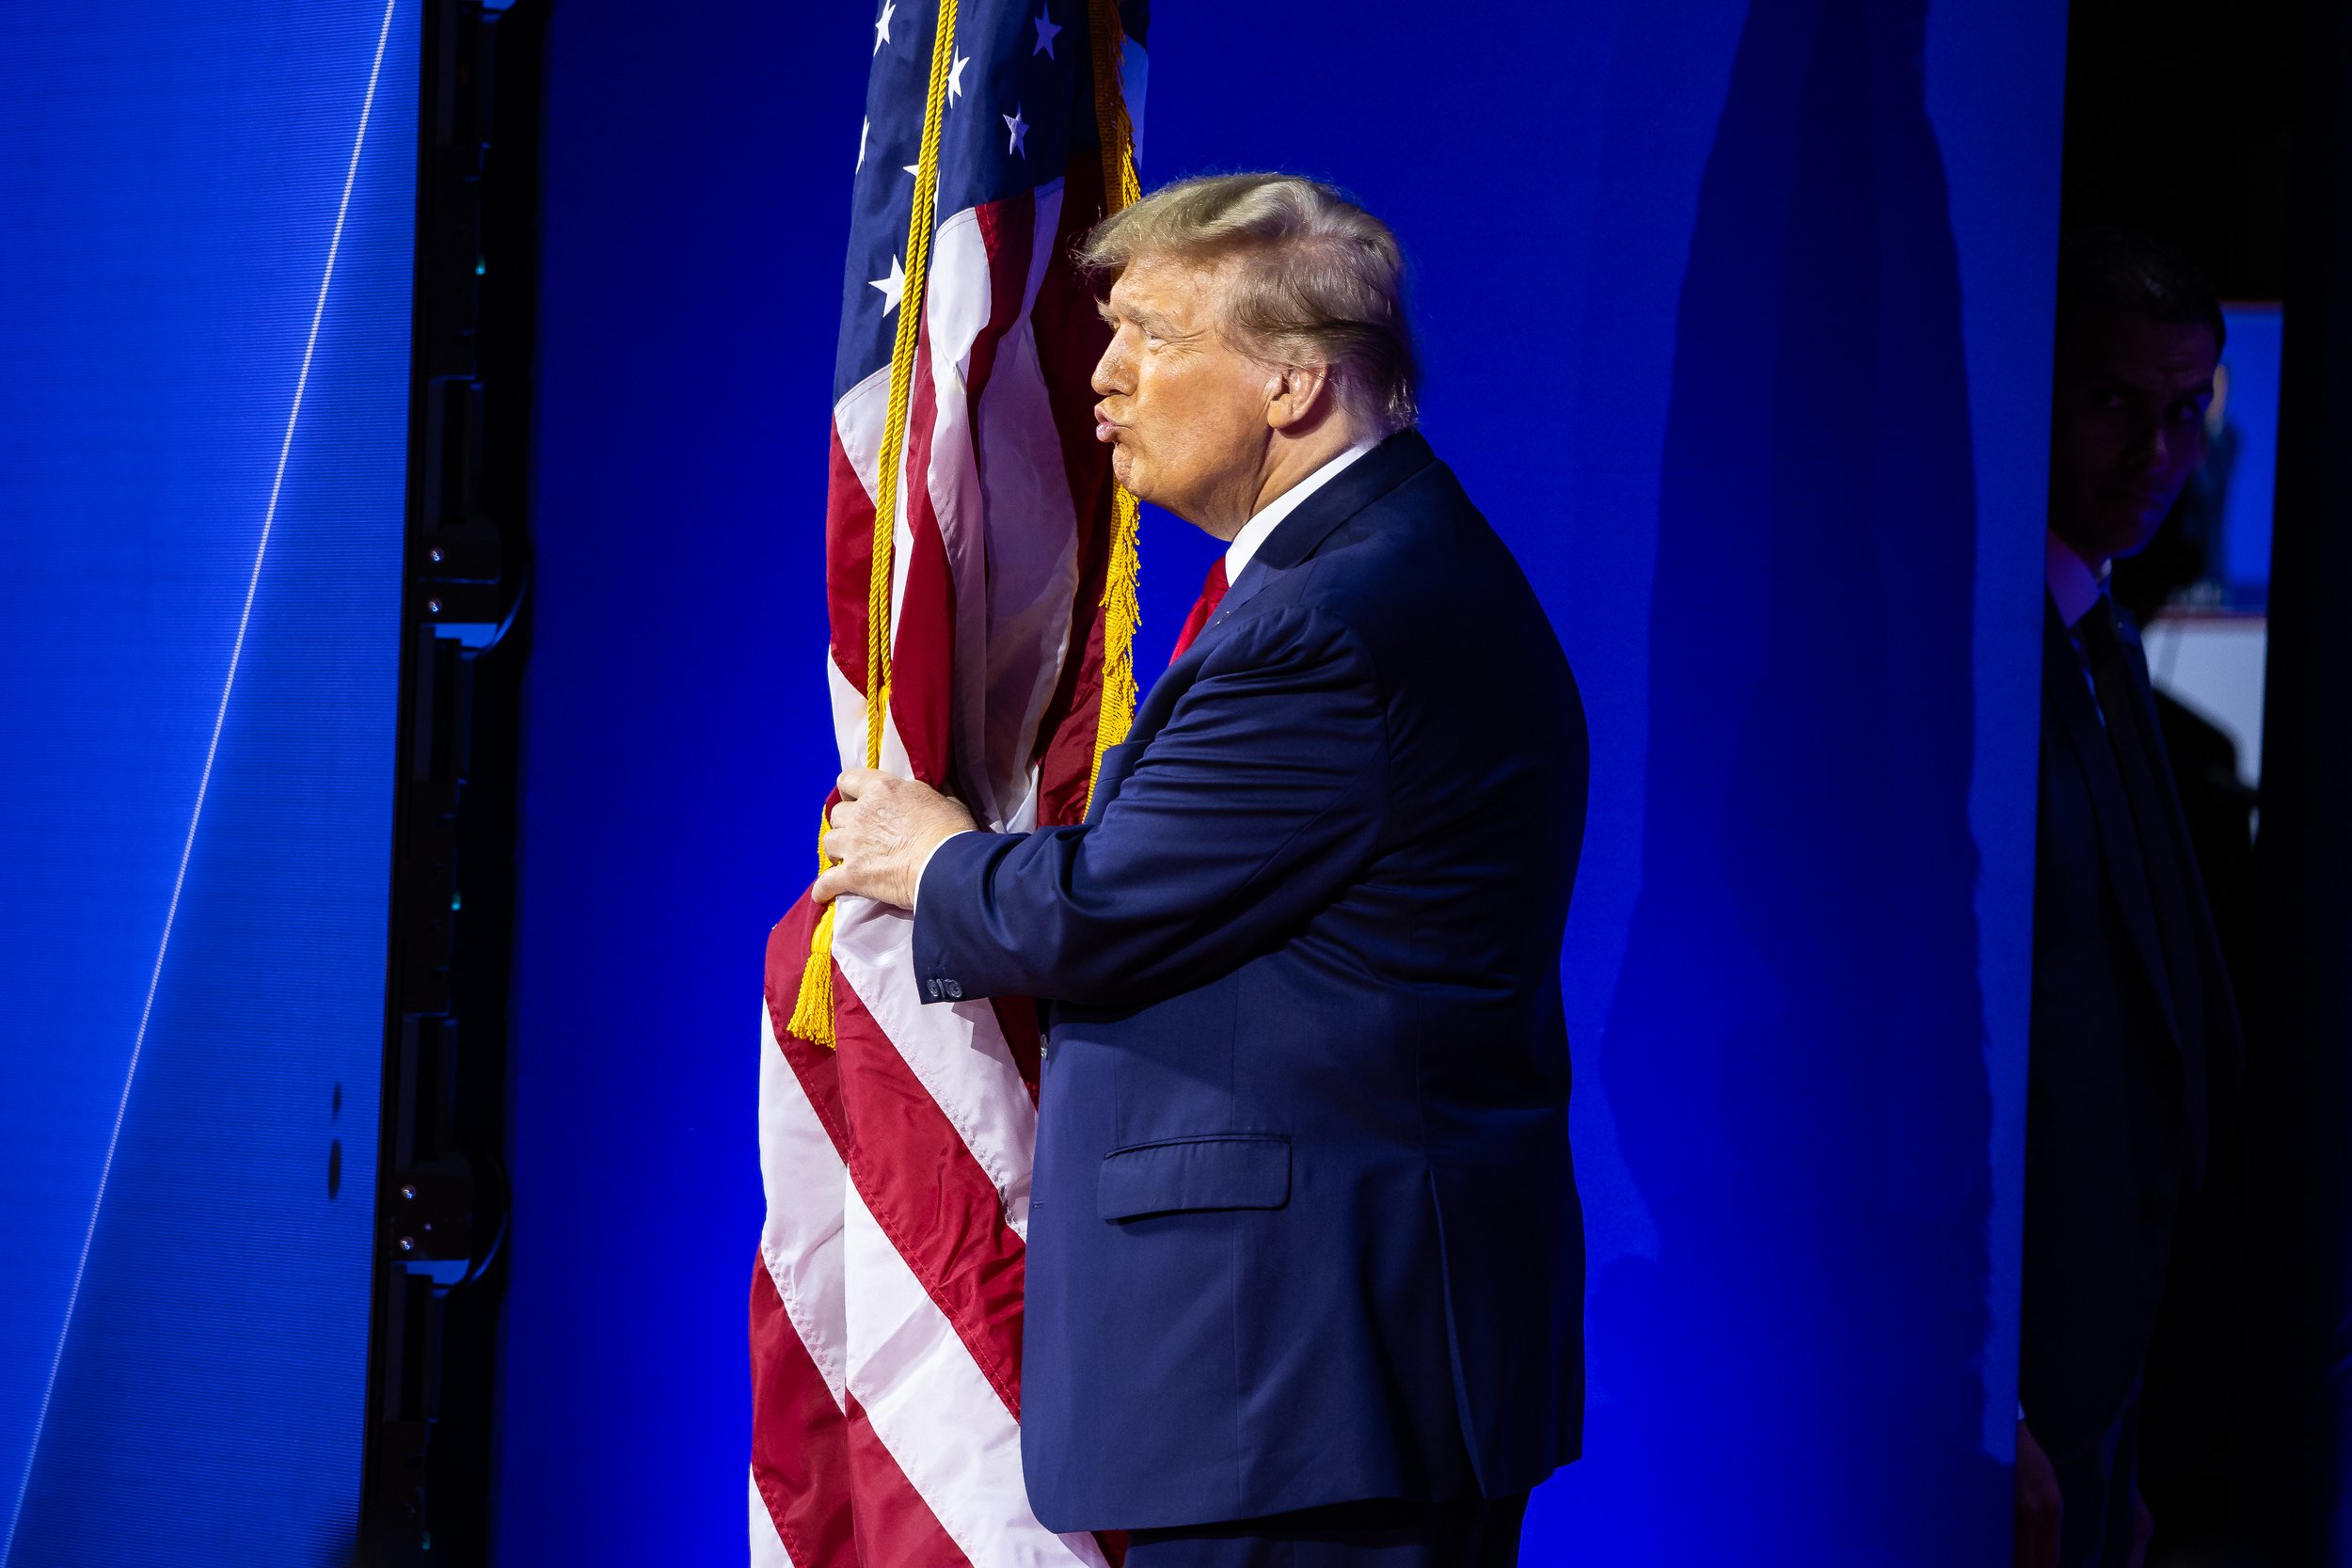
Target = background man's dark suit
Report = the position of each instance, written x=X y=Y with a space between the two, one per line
x=2135 y=1070
x=1304 y=1229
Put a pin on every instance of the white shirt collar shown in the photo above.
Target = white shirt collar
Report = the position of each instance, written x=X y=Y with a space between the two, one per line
x=1254 y=532
x=2073 y=586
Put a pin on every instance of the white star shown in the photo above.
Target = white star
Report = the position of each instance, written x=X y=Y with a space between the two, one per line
x=891 y=287
x=882 y=28
x=1019 y=128
x=912 y=168
x=955 y=77
x=1045 y=31
x=864 y=128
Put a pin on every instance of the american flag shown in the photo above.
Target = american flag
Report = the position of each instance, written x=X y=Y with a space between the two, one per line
x=895 y=1136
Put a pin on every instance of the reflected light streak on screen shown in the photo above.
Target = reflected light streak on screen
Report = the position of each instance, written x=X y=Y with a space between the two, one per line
x=121 y=1388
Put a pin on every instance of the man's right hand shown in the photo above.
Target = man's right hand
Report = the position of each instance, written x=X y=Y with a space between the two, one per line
x=2039 y=1508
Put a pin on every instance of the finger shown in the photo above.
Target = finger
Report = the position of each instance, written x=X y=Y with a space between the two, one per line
x=838 y=839
x=858 y=781
x=830 y=886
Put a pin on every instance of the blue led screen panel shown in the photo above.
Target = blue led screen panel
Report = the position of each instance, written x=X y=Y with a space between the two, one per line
x=203 y=421
x=2243 y=460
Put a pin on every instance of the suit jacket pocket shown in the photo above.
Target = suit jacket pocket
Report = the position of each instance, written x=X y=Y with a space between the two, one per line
x=1232 y=1170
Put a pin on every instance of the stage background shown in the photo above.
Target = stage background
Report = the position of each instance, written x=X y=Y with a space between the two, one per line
x=1737 y=321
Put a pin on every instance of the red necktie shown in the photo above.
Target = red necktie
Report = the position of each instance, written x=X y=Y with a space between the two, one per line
x=1212 y=595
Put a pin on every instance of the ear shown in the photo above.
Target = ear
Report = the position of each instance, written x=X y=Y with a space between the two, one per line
x=1298 y=397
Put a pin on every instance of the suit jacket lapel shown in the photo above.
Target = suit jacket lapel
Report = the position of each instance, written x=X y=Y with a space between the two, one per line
x=2064 y=689
x=1353 y=488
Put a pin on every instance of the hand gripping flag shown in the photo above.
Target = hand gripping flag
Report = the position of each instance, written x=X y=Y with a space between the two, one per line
x=979 y=580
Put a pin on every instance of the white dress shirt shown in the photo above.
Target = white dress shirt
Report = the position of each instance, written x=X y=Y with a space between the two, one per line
x=2074 y=584
x=2074 y=588
x=1253 y=533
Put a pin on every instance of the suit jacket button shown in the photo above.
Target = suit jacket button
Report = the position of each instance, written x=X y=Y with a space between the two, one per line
x=955 y=991
x=934 y=990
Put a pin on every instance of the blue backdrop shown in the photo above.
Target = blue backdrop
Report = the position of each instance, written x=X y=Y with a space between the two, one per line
x=202 y=459
x=1737 y=320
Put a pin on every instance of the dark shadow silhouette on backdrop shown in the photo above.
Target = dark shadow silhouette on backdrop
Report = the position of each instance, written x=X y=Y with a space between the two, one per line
x=1795 y=1052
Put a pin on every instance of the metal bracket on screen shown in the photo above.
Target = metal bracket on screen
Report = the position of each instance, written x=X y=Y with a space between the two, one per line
x=462 y=598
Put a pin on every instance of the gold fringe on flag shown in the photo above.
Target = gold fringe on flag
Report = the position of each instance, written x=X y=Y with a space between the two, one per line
x=1120 y=607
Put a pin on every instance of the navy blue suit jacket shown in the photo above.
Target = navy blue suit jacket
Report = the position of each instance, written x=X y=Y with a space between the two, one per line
x=1303 y=1227
x=2124 y=1107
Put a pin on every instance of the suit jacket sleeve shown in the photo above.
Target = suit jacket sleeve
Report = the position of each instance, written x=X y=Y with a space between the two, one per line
x=1258 y=799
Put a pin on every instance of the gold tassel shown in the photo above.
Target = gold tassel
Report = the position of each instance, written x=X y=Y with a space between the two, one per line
x=812 y=1012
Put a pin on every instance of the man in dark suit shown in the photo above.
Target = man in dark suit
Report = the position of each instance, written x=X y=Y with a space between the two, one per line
x=2135 y=1042
x=1305 y=1257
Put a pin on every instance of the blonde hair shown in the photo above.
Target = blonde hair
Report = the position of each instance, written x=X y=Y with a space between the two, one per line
x=1318 y=281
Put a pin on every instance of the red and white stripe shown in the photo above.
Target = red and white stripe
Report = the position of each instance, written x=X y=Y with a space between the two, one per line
x=886 y=1302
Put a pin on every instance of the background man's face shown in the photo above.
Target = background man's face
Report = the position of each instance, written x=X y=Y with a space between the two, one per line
x=2127 y=427
x=1184 y=412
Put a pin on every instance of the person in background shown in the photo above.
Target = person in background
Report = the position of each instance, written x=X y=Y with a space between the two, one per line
x=2136 y=1055
x=2184 y=1457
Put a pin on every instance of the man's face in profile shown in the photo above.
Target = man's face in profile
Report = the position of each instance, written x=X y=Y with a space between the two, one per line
x=2127 y=427
x=1184 y=410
